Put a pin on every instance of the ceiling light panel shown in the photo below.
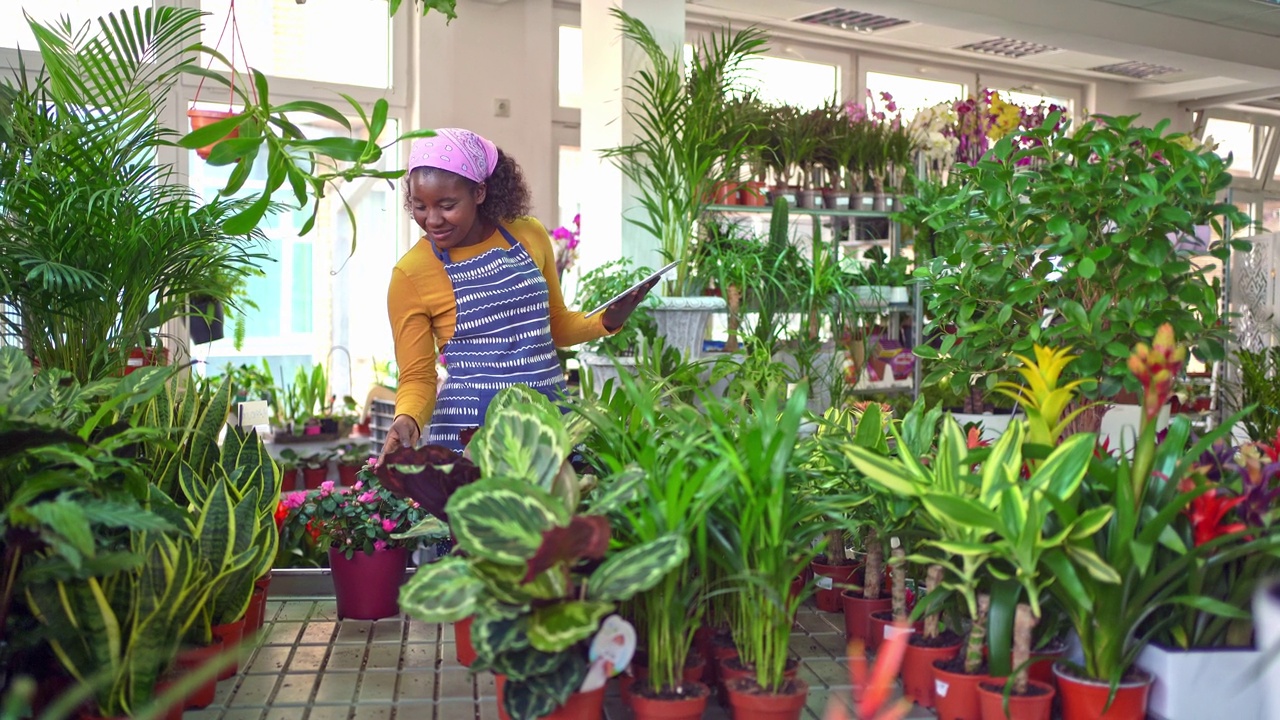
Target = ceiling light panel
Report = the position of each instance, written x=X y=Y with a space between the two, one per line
x=853 y=20
x=1136 y=70
x=1008 y=47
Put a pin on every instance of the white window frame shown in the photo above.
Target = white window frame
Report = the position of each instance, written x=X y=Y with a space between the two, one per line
x=1074 y=94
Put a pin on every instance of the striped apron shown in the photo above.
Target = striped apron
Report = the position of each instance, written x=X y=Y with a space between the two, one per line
x=502 y=338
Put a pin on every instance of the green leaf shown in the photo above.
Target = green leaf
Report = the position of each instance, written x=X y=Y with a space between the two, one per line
x=1004 y=601
x=521 y=443
x=621 y=489
x=1086 y=267
x=1092 y=564
x=444 y=591
x=527 y=664
x=638 y=568
x=960 y=511
x=315 y=108
x=553 y=628
x=212 y=132
x=503 y=520
x=492 y=635
x=66 y=517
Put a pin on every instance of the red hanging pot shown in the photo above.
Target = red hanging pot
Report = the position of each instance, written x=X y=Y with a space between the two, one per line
x=832 y=581
x=955 y=694
x=857 y=613
x=749 y=702
x=579 y=706
x=1084 y=699
x=367 y=587
x=917 y=668
x=1036 y=705
x=201 y=118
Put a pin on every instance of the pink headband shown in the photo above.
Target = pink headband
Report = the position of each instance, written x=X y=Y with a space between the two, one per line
x=461 y=152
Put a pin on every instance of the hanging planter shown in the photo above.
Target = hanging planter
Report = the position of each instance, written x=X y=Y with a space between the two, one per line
x=207 y=321
x=203 y=118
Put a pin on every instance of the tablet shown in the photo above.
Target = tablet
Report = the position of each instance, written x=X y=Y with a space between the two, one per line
x=662 y=271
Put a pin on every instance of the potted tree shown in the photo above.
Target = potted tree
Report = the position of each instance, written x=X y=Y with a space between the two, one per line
x=677 y=156
x=1096 y=209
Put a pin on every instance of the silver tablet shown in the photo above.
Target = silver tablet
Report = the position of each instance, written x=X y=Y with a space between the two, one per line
x=661 y=271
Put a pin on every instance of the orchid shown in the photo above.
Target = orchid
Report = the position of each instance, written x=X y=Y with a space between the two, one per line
x=565 y=243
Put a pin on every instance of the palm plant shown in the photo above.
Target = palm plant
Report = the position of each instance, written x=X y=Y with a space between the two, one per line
x=99 y=243
x=677 y=156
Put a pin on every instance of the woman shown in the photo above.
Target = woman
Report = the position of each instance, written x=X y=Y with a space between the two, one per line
x=481 y=288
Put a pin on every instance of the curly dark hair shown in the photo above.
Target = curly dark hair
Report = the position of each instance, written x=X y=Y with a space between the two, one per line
x=506 y=193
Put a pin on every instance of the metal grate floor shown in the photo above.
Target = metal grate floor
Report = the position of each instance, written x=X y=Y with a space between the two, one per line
x=308 y=665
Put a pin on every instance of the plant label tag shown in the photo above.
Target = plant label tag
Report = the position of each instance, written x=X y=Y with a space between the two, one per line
x=940 y=688
x=895 y=543
x=611 y=651
x=892 y=631
x=252 y=413
x=825 y=582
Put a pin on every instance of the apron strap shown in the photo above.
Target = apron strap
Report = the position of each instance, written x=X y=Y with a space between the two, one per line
x=444 y=256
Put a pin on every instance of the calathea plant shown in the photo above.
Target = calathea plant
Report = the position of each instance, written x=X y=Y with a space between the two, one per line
x=533 y=573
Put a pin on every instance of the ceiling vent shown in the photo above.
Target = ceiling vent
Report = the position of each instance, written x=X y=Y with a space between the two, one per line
x=1136 y=70
x=1007 y=47
x=853 y=20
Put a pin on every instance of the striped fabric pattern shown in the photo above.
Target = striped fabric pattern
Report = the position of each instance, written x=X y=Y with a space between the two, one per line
x=502 y=338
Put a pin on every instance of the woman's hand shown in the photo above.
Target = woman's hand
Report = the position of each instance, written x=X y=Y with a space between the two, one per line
x=616 y=314
x=404 y=432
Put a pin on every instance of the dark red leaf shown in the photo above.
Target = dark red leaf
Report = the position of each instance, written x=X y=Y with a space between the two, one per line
x=429 y=474
x=586 y=538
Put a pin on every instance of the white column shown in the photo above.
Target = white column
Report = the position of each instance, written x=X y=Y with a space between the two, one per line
x=608 y=198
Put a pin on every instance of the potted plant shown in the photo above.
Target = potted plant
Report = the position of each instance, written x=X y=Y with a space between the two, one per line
x=314 y=466
x=1260 y=392
x=1075 y=241
x=676 y=157
x=765 y=529
x=357 y=524
x=602 y=359
x=729 y=260
x=351 y=456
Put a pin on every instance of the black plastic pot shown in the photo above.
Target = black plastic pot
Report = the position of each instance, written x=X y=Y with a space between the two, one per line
x=206 y=321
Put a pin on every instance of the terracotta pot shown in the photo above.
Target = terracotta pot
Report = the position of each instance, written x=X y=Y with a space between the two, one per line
x=174 y=711
x=1021 y=707
x=725 y=193
x=201 y=118
x=687 y=708
x=1042 y=661
x=748 y=705
x=751 y=194
x=626 y=681
x=580 y=706
x=1086 y=699
x=347 y=474
x=879 y=624
x=145 y=357
x=702 y=644
x=193 y=658
x=465 y=651
x=229 y=634
x=255 y=617
x=955 y=695
x=857 y=613
x=917 y=671
x=731 y=669
x=367 y=587
x=313 y=477
x=832 y=581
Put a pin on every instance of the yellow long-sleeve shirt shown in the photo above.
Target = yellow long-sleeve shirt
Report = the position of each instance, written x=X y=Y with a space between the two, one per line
x=421 y=305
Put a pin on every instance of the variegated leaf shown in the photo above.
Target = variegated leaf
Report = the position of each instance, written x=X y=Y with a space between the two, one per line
x=554 y=628
x=527 y=663
x=618 y=491
x=521 y=442
x=539 y=696
x=492 y=636
x=503 y=520
x=637 y=569
x=444 y=591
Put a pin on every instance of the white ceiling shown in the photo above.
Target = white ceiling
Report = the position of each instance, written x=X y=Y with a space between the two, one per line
x=1225 y=50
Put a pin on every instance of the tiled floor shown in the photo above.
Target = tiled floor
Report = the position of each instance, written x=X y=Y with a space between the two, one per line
x=311 y=666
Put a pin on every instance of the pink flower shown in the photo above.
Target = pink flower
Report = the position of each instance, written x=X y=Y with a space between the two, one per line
x=326 y=488
x=359 y=484
x=367 y=497
x=388 y=525
x=292 y=500
x=379 y=545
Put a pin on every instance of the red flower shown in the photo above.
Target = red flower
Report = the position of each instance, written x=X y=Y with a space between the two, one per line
x=974 y=439
x=1206 y=513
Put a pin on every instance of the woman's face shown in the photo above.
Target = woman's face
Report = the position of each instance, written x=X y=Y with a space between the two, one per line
x=444 y=206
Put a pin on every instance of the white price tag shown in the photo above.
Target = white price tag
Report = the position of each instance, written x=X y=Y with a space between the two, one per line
x=940 y=688
x=251 y=413
x=895 y=543
x=892 y=631
x=825 y=582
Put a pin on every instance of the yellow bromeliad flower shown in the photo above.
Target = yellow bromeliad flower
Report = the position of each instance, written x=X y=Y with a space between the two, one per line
x=1041 y=396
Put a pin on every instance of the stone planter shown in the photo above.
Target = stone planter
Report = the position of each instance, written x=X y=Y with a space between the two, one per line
x=602 y=368
x=682 y=321
x=1190 y=684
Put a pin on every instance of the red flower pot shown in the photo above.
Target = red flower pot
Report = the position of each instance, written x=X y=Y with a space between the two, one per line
x=692 y=674
x=145 y=357
x=702 y=644
x=256 y=615
x=880 y=623
x=1036 y=706
x=751 y=194
x=464 y=650
x=917 y=669
x=1084 y=699
x=174 y=710
x=367 y=587
x=312 y=477
x=857 y=613
x=580 y=706
x=347 y=474
x=201 y=118
x=732 y=669
x=193 y=658
x=749 y=703
x=229 y=634
x=690 y=706
x=955 y=695
x=832 y=581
